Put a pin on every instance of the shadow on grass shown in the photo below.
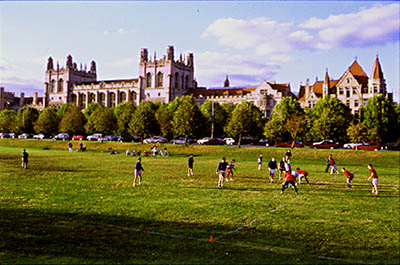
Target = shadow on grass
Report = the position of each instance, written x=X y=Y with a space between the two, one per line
x=32 y=236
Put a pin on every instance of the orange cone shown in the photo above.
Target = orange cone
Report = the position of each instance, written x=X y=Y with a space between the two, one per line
x=211 y=239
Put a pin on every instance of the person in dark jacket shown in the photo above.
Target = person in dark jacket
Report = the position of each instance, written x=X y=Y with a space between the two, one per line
x=221 y=171
x=272 y=166
x=138 y=172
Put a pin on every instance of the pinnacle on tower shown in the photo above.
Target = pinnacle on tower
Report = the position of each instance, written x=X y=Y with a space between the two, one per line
x=226 y=83
x=377 y=70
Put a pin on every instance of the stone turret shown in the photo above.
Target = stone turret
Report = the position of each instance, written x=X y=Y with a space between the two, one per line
x=226 y=83
x=170 y=53
x=377 y=83
x=69 y=62
x=143 y=55
x=35 y=98
x=93 y=67
x=307 y=88
x=50 y=64
x=325 y=86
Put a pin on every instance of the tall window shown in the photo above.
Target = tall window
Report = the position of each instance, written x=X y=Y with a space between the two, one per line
x=60 y=85
x=347 y=92
x=176 y=80
x=183 y=82
x=341 y=91
x=148 y=80
x=187 y=82
x=82 y=101
x=52 y=86
x=113 y=99
x=122 y=97
x=133 y=96
x=102 y=99
x=160 y=78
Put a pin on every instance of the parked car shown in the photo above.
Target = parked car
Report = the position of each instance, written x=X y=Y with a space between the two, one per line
x=350 y=145
x=248 y=140
x=108 y=138
x=61 y=136
x=229 y=141
x=155 y=139
x=94 y=137
x=181 y=140
x=211 y=141
x=367 y=146
x=39 y=136
x=77 y=137
x=326 y=144
x=4 y=135
x=289 y=144
x=11 y=135
x=24 y=136
x=265 y=142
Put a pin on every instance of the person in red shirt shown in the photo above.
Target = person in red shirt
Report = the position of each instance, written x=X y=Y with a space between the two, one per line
x=374 y=177
x=289 y=179
x=349 y=176
x=302 y=174
x=333 y=165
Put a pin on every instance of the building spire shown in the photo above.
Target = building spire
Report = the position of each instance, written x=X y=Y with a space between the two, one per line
x=377 y=70
x=226 y=83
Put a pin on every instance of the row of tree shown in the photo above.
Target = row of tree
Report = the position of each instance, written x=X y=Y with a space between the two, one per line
x=329 y=119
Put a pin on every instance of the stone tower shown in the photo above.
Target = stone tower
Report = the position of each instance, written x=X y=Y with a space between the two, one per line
x=59 y=81
x=226 y=83
x=325 y=86
x=164 y=79
x=377 y=84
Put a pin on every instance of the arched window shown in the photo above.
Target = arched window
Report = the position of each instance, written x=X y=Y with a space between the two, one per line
x=176 y=80
x=148 y=80
x=92 y=97
x=60 y=85
x=82 y=101
x=187 y=82
x=122 y=97
x=102 y=99
x=133 y=96
x=73 y=99
x=112 y=99
x=160 y=78
x=183 y=82
x=52 y=86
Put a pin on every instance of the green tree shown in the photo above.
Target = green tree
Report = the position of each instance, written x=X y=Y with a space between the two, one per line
x=220 y=117
x=357 y=133
x=380 y=117
x=188 y=119
x=124 y=112
x=92 y=107
x=63 y=109
x=246 y=120
x=330 y=119
x=103 y=121
x=164 y=119
x=173 y=106
x=274 y=129
x=47 y=122
x=295 y=126
x=27 y=116
x=143 y=121
x=9 y=121
x=287 y=107
x=73 y=121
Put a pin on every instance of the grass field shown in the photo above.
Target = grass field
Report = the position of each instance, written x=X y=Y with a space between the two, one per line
x=82 y=208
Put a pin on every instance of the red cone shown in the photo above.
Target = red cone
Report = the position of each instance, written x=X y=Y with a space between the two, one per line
x=211 y=239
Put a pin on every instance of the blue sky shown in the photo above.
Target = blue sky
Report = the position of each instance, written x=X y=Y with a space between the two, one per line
x=249 y=41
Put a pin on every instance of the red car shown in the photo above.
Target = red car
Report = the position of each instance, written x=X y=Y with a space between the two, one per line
x=77 y=138
x=368 y=146
x=327 y=144
x=289 y=144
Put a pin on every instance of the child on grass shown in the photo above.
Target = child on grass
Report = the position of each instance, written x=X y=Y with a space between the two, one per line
x=289 y=180
x=229 y=170
x=282 y=168
x=374 y=177
x=138 y=171
x=271 y=168
x=221 y=170
x=333 y=165
x=259 y=161
x=25 y=156
x=302 y=174
x=190 y=165
x=349 y=176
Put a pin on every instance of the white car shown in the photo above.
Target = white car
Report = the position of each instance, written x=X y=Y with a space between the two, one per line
x=351 y=145
x=229 y=141
x=23 y=136
x=39 y=136
x=94 y=137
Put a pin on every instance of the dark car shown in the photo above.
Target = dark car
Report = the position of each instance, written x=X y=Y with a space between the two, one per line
x=289 y=144
x=367 y=146
x=327 y=144
x=248 y=140
x=181 y=140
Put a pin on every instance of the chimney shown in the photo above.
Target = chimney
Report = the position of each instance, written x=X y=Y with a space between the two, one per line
x=307 y=88
x=21 y=100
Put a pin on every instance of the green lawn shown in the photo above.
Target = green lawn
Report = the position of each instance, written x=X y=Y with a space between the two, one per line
x=82 y=208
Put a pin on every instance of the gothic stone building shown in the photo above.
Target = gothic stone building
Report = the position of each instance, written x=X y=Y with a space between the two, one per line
x=266 y=95
x=159 y=80
x=353 y=88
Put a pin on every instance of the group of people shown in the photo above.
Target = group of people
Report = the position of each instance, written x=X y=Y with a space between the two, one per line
x=154 y=152
x=81 y=147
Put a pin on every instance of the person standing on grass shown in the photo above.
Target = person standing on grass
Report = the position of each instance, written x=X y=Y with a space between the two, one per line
x=229 y=170
x=25 y=156
x=259 y=161
x=70 y=147
x=288 y=155
x=282 y=168
x=302 y=174
x=221 y=171
x=190 y=165
x=333 y=165
x=289 y=180
x=328 y=164
x=374 y=177
x=349 y=176
x=138 y=171
x=272 y=166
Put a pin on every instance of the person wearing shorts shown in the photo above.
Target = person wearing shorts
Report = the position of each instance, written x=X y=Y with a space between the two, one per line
x=333 y=165
x=259 y=161
x=229 y=170
x=138 y=171
x=190 y=165
x=221 y=171
x=25 y=156
x=282 y=168
x=272 y=166
x=289 y=180
x=302 y=174
x=374 y=177
x=349 y=177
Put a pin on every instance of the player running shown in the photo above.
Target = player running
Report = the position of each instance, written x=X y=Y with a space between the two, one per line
x=302 y=174
x=221 y=170
x=272 y=166
x=333 y=165
x=229 y=170
x=374 y=177
x=190 y=165
x=138 y=172
x=259 y=161
x=282 y=168
x=349 y=176
x=289 y=180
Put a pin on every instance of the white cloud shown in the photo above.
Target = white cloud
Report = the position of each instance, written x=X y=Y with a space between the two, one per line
x=120 y=31
x=370 y=26
x=212 y=68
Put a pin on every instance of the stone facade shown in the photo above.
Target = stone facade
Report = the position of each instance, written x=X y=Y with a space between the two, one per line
x=159 y=80
x=353 y=88
x=266 y=95
x=8 y=100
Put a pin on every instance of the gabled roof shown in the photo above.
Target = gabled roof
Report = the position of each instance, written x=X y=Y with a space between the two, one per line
x=377 y=70
x=356 y=70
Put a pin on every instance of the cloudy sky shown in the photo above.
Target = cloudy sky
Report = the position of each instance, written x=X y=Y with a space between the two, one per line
x=249 y=41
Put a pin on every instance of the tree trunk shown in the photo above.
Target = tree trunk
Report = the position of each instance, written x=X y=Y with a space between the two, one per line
x=239 y=140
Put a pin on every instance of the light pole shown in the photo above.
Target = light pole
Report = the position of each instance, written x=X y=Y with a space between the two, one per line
x=212 y=119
